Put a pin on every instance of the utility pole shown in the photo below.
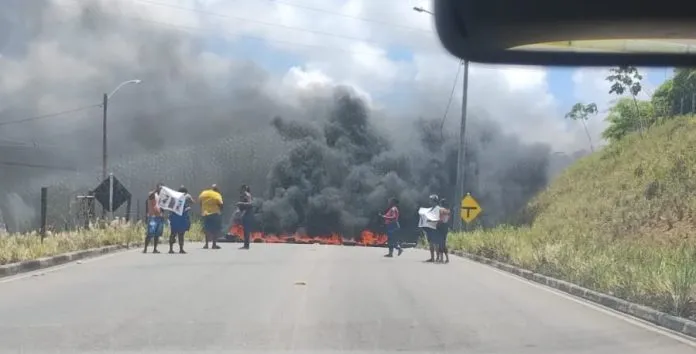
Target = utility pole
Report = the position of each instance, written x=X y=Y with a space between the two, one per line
x=104 y=146
x=105 y=104
x=461 y=155
x=460 y=192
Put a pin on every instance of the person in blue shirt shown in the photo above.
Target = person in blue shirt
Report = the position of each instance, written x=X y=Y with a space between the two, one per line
x=179 y=224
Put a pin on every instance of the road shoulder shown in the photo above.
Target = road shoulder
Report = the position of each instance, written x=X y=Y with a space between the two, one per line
x=47 y=262
x=676 y=324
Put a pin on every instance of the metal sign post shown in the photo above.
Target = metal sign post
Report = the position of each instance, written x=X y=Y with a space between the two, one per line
x=111 y=196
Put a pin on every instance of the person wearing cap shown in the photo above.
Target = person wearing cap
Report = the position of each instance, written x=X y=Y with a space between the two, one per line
x=211 y=204
x=179 y=224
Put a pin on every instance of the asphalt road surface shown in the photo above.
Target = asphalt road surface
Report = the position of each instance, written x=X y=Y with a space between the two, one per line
x=347 y=299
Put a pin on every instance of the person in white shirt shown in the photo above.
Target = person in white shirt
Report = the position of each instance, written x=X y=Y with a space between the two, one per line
x=429 y=218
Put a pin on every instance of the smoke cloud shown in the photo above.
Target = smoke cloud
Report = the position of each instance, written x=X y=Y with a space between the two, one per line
x=338 y=176
x=321 y=156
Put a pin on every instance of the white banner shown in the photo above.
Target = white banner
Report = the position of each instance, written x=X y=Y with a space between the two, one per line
x=171 y=200
x=429 y=217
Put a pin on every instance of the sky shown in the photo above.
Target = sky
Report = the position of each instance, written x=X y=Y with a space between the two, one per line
x=384 y=49
x=391 y=52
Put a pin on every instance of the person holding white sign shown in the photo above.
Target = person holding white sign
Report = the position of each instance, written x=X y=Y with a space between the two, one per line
x=179 y=224
x=429 y=218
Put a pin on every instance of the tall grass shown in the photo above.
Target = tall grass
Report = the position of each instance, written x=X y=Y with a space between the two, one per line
x=21 y=247
x=621 y=221
x=663 y=277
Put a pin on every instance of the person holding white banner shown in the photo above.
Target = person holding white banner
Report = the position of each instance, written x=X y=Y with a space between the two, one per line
x=180 y=223
x=429 y=219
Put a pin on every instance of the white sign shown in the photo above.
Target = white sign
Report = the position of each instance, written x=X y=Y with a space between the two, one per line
x=429 y=217
x=171 y=200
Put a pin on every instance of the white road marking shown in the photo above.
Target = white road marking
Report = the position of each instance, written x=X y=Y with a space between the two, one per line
x=597 y=307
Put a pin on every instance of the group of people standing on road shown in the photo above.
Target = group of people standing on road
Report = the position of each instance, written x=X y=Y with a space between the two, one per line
x=434 y=223
x=211 y=205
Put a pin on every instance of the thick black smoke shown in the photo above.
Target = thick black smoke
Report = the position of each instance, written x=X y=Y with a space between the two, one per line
x=339 y=175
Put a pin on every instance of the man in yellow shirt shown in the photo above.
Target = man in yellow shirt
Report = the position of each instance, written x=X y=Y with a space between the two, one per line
x=211 y=210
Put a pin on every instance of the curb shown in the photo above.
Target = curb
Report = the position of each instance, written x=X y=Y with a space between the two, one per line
x=41 y=263
x=674 y=323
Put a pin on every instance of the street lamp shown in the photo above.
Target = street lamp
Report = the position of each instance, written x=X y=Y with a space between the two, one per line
x=105 y=104
x=461 y=153
x=420 y=9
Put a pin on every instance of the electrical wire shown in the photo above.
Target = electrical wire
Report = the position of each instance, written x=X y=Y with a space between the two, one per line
x=244 y=19
x=22 y=164
x=333 y=13
x=239 y=34
x=50 y=115
x=449 y=102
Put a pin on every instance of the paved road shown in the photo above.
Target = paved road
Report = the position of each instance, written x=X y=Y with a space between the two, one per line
x=354 y=300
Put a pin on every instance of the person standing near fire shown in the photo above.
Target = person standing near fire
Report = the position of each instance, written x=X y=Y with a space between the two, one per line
x=211 y=210
x=391 y=223
x=155 y=220
x=246 y=210
x=443 y=230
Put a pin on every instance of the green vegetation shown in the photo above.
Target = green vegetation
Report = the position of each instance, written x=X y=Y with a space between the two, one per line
x=582 y=112
x=16 y=248
x=622 y=220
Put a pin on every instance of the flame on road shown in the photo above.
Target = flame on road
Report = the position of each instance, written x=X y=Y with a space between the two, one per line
x=366 y=238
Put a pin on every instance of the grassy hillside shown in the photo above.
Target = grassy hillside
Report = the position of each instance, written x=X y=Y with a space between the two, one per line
x=621 y=221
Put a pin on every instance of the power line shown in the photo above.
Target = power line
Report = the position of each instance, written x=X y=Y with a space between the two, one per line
x=407 y=28
x=22 y=164
x=237 y=33
x=147 y=113
x=50 y=115
x=238 y=18
x=449 y=102
x=240 y=34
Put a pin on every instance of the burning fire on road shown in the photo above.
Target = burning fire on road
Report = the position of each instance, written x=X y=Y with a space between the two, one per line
x=366 y=238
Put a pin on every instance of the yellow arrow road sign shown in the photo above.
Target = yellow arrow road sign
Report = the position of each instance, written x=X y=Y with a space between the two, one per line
x=470 y=208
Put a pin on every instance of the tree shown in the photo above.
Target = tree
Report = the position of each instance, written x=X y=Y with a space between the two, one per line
x=627 y=78
x=663 y=99
x=582 y=113
x=622 y=118
x=676 y=95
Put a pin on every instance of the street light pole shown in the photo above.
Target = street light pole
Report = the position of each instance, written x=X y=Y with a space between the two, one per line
x=105 y=104
x=104 y=146
x=461 y=151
